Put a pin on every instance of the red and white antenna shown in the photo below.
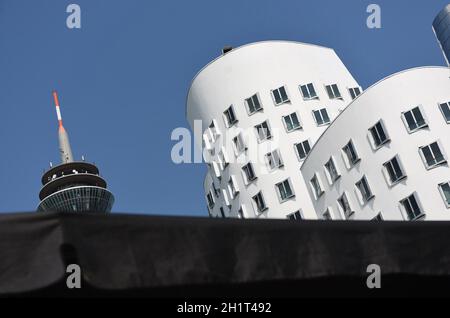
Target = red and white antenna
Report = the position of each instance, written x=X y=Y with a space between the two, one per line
x=64 y=144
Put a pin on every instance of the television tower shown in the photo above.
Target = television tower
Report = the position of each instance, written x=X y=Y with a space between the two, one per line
x=73 y=186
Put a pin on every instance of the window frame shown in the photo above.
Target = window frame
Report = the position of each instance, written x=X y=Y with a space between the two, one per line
x=290 y=117
x=240 y=138
x=248 y=181
x=309 y=92
x=362 y=190
x=226 y=120
x=341 y=209
x=404 y=211
x=280 y=163
x=388 y=175
x=232 y=187
x=443 y=112
x=283 y=183
x=405 y=121
x=288 y=100
x=268 y=134
x=298 y=212
x=324 y=123
x=334 y=93
x=247 y=106
x=306 y=153
x=352 y=89
x=437 y=164
x=350 y=163
x=441 y=191
x=330 y=178
x=257 y=209
x=373 y=139
x=319 y=190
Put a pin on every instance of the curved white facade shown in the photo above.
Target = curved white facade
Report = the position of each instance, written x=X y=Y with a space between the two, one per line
x=414 y=109
x=253 y=72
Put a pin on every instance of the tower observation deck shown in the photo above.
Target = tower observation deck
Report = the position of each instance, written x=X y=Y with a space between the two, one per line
x=73 y=186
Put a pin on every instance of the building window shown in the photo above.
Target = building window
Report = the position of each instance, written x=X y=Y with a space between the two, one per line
x=432 y=155
x=445 y=109
x=302 y=148
x=411 y=207
x=354 y=92
x=331 y=170
x=216 y=191
x=241 y=214
x=263 y=131
x=273 y=160
x=213 y=132
x=296 y=216
x=327 y=215
x=284 y=190
x=308 y=91
x=259 y=202
x=210 y=199
x=379 y=135
x=280 y=95
x=232 y=187
x=239 y=145
x=253 y=104
x=445 y=191
x=229 y=116
x=351 y=154
x=364 y=189
x=249 y=172
x=291 y=122
x=345 y=206
x=321 y=117
x=333 y=91
x=414 y=119
x=315 y=184
x=378 y=217
x=394 y=170
x=223 y=162
x=222 y=212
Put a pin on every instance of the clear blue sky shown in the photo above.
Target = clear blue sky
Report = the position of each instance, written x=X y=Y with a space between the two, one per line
x=124 y=76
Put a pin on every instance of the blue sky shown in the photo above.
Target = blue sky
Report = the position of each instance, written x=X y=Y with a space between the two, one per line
x=123 y=78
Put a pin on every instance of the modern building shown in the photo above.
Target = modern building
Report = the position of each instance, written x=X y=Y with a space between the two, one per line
x=73 y=186
x=262 y=107
x=386 y=155
x=441 y=28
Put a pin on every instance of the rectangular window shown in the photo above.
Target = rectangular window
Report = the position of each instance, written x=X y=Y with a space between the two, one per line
x=263 y=131
x=394 y=170
x=354 y=92
x=259 y=202
x=232 y=187
x=216 y=191
x=445 y=109
x=351 y=154
x=273 y=160
x=321 y=117
x=411 y=207
x=302 y=148
x=414 y=119
x=222 y=212
x=379 y=135
x=253 y=104
x=291 y=122
x=296 y=216
x=345 y=206
x=239 y=145
x=229 y=116
x=210 y=199
x=213 y=131
x=333 y=91
x=284 y=190
x=249 y=172
x=445 y=191
x=331 y=170
x=327 y=215
x=379 y=217
x=317 y=189
x=308 y=91
x=432 y=155
x=223 y=162
x=280 y=95
x=364 y=189
x=241 y=214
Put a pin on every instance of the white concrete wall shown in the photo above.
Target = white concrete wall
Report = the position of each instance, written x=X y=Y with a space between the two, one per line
x=259 y=68
x=386 y=100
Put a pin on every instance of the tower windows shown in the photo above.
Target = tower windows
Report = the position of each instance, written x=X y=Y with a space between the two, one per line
x=291 y=122
x=229 y=116
x=354 y=92
x=302 y=149
x=444 y=188
x=364 y=190
x=432 y=155
x=260 y=204
x=445 y=109
x=394 y=170
x=308 y=91
x=284 y=190
x=351 y=154
x=344 y=205
x=263 y=131
x=253 y=104
x=249 y=173
x=321 y=117
x=411 y=207
x=280 y=96
x=273 y=160
x=414 y=119
x=378 y=134
x=296 y=216
x=332 y=172
x=333 y=91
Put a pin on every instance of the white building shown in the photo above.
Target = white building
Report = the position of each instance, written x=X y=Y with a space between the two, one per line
x=262 y=107
x=386 y=155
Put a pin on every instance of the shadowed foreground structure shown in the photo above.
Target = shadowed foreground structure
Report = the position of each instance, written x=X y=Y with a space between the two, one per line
x=149 y=256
